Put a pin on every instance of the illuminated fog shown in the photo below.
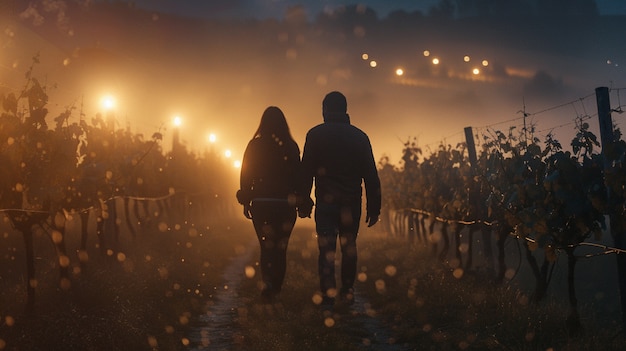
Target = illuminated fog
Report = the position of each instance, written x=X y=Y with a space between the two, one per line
x=219 y=76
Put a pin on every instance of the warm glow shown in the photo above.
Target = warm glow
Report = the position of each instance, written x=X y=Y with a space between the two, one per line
x=108 y=102
x=237 y=164
x=228 y=153
x=223 y=84
x=178 y=121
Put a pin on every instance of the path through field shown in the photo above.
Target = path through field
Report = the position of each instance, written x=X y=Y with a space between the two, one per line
x=380 y=337
x=219 y=328
x=225 y=326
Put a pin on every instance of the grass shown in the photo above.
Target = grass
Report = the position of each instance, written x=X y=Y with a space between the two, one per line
x=150 y=298
x=144 y=299
x=421 y=305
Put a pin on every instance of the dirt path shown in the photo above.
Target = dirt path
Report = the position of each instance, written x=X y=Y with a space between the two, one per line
x=219 y=328
x=379 y=337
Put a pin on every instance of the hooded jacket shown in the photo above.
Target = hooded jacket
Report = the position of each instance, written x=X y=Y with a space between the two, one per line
x=338 y=157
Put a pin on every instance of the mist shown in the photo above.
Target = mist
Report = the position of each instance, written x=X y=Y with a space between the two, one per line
x=219 y=75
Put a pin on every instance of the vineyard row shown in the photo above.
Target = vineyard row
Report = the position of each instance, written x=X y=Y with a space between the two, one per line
x=523 y=188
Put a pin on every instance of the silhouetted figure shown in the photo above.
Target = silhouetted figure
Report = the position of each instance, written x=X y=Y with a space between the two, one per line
x=338 y=157
x=267 y=192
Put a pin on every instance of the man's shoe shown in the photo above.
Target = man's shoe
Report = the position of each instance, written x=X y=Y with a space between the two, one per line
x=327 y=303
x=347 y=296
x=267 y=296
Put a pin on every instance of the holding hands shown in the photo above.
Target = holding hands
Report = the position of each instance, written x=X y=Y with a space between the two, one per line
x=243 y=197
x=247 y=211
x=371 y=219
x=305 y=207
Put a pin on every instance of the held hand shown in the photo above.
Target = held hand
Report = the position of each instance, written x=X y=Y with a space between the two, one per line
x=305 y=208
x=371 y=220
x=247 y=211
x=304 y=213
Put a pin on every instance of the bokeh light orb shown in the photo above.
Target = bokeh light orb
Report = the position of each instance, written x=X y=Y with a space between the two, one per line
x=108 y=102
x=178 y=121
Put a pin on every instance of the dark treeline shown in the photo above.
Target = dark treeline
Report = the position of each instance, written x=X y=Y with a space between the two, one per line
x=522 y=18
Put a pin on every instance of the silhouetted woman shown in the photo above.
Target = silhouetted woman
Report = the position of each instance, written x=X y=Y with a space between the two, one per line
x=267 y=192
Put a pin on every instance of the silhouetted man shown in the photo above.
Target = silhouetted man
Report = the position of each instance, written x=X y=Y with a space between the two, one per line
x=338 y=157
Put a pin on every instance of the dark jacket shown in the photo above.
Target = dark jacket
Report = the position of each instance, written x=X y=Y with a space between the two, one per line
x=339 y=157
x=269 y=169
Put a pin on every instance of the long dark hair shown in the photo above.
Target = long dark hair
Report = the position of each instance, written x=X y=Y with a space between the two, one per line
x=273 y=125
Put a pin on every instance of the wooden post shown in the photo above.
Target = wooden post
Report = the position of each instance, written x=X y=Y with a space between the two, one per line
x=604 y=115
x=471 y=147
x=615 y=202
x=479 y=212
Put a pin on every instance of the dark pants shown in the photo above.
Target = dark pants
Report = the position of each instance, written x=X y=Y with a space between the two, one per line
x=273 y=222
x=337 y=221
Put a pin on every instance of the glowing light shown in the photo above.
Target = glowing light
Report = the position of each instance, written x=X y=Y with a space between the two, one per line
x=228 y=153
x=380 y=285
x=108 y=102
x=391 y=270
x=399 y=72
x=178 y=121
x=250 y=272
x=485 y=63
x=362 y=277
x=476 y=71
x=237 y=164
x=426 y=53
x=435 y=61
x=212 y=138
x=466 y=58
x=317 y=299
x=373 y=64
x=365 y=57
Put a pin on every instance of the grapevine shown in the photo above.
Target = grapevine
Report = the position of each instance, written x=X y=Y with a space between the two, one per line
x=548 y=200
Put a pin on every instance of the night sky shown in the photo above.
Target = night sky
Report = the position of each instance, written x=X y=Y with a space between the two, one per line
x=276 y=8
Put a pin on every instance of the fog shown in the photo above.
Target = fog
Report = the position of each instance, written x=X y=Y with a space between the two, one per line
x=219 y=76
